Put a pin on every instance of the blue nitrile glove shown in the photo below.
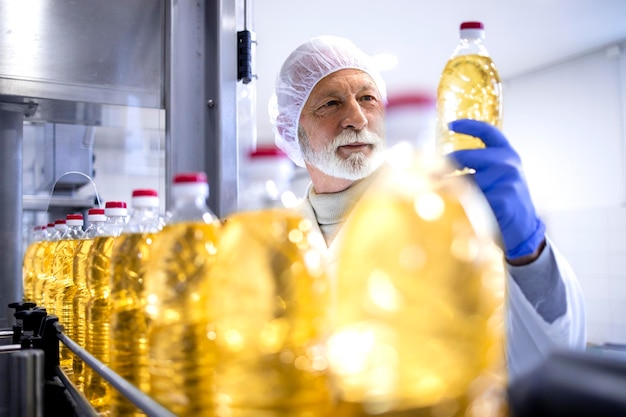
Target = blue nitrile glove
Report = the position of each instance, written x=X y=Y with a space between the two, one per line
x=499 y=175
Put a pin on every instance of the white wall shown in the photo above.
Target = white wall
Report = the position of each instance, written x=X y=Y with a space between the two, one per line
x=567 y=122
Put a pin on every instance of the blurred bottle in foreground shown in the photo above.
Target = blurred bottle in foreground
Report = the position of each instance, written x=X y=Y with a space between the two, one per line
x=269 y=297
x=420 y=303
x=98 y=310
x=129 y=322
x=469 y=88
x=96 y=220
x=180 y=345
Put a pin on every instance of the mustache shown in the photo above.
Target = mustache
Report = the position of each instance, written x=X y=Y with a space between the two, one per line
x=348 y=137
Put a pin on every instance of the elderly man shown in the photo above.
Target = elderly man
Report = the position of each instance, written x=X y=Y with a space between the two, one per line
x=328 y=115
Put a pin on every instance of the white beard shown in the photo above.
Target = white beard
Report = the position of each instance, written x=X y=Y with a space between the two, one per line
x=356 y=166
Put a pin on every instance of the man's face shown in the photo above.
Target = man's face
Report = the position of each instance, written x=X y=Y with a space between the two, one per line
x=341 y=126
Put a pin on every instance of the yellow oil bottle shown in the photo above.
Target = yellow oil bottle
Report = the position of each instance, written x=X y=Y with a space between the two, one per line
x=96 y=219
x=268 y=299
x=469 y=88
x=98 y=311
x=420 y=323
x=180 y=343
x=129 y=321
x=63 y=268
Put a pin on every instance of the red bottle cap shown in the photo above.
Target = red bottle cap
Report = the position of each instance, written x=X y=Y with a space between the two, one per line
x=187 y=177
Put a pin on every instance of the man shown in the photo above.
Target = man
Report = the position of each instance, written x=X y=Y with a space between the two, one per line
x=328 y=115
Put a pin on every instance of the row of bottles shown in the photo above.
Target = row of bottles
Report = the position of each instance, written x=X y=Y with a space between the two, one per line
x=240 y=317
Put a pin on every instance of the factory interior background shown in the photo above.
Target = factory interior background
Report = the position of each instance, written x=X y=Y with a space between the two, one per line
x=563 y=66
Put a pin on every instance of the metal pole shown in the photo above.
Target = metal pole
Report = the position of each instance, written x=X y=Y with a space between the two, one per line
x=11 y=130
x=200 y=96
x=132 y=393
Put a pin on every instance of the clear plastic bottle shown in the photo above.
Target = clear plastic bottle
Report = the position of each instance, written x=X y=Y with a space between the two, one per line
x=63 y=268
x=266 y=179
x=129 y=322
x=96 y=220
x=49 y=286
x=28 y=262
x=182 y=354
x=420 y=325
x=268 y=299
x=98 y=311
x=469 y=88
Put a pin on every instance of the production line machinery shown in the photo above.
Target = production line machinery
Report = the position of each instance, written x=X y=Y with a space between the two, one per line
x=32 y=384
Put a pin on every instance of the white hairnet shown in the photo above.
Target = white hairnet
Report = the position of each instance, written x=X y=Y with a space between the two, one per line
x=301 y=71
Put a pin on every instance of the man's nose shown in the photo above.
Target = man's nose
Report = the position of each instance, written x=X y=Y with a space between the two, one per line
x=354 y=117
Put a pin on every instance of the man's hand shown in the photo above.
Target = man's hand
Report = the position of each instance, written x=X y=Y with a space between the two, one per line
x=500 y=177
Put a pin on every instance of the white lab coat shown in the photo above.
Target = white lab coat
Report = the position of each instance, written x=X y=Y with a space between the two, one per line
x=530 y=338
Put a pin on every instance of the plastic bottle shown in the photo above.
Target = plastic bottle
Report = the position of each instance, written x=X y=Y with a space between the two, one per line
x=420 y=325
x=129 y=323
x=265 y=180
x=49 y=287
x=98 y=311
x=63 y=268
x=181 y=352
x=96 y=219
x=469 y=88
x=40 y=256
x=28 y=263
x=269 y=300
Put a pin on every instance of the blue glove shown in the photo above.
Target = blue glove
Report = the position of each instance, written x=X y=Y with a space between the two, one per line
x=499 y=175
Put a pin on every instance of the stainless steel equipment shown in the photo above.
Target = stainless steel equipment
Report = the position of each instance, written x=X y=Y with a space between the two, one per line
x=62 y=62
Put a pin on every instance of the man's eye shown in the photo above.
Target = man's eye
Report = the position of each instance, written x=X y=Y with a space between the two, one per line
x=330 y=103
x=368 y=98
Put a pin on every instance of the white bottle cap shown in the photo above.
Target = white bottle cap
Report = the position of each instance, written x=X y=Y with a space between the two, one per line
x=472 y=30
x=96 y=215
x=115 y=208
x=145 y=198
x=74 y=219
x=190 y=184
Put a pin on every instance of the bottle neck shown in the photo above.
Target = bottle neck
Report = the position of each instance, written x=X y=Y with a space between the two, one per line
x=72 y=232
x=470 y=46
x=143 y=220
x=191 y=208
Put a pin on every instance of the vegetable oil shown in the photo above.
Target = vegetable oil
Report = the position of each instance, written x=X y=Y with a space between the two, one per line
x=469 y=88
x=129 y=321
x=49 y=286
x=419 y=329
x=98 y=311
x=180 y=342
x=96 y=219
x=269 y=298
x=38 y=266
x=63 y=268
x=28 y=264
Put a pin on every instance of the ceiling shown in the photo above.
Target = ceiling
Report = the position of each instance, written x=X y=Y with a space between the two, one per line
x=521 y=35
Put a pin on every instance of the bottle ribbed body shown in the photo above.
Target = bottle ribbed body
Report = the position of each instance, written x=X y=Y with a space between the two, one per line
x=181 y=348
x=420 y=319
x=81 y=298
x=270 y=342
x=49 y=287
x=28 y=273
x=129 y=320
x=98 y=314
x=64 y=303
